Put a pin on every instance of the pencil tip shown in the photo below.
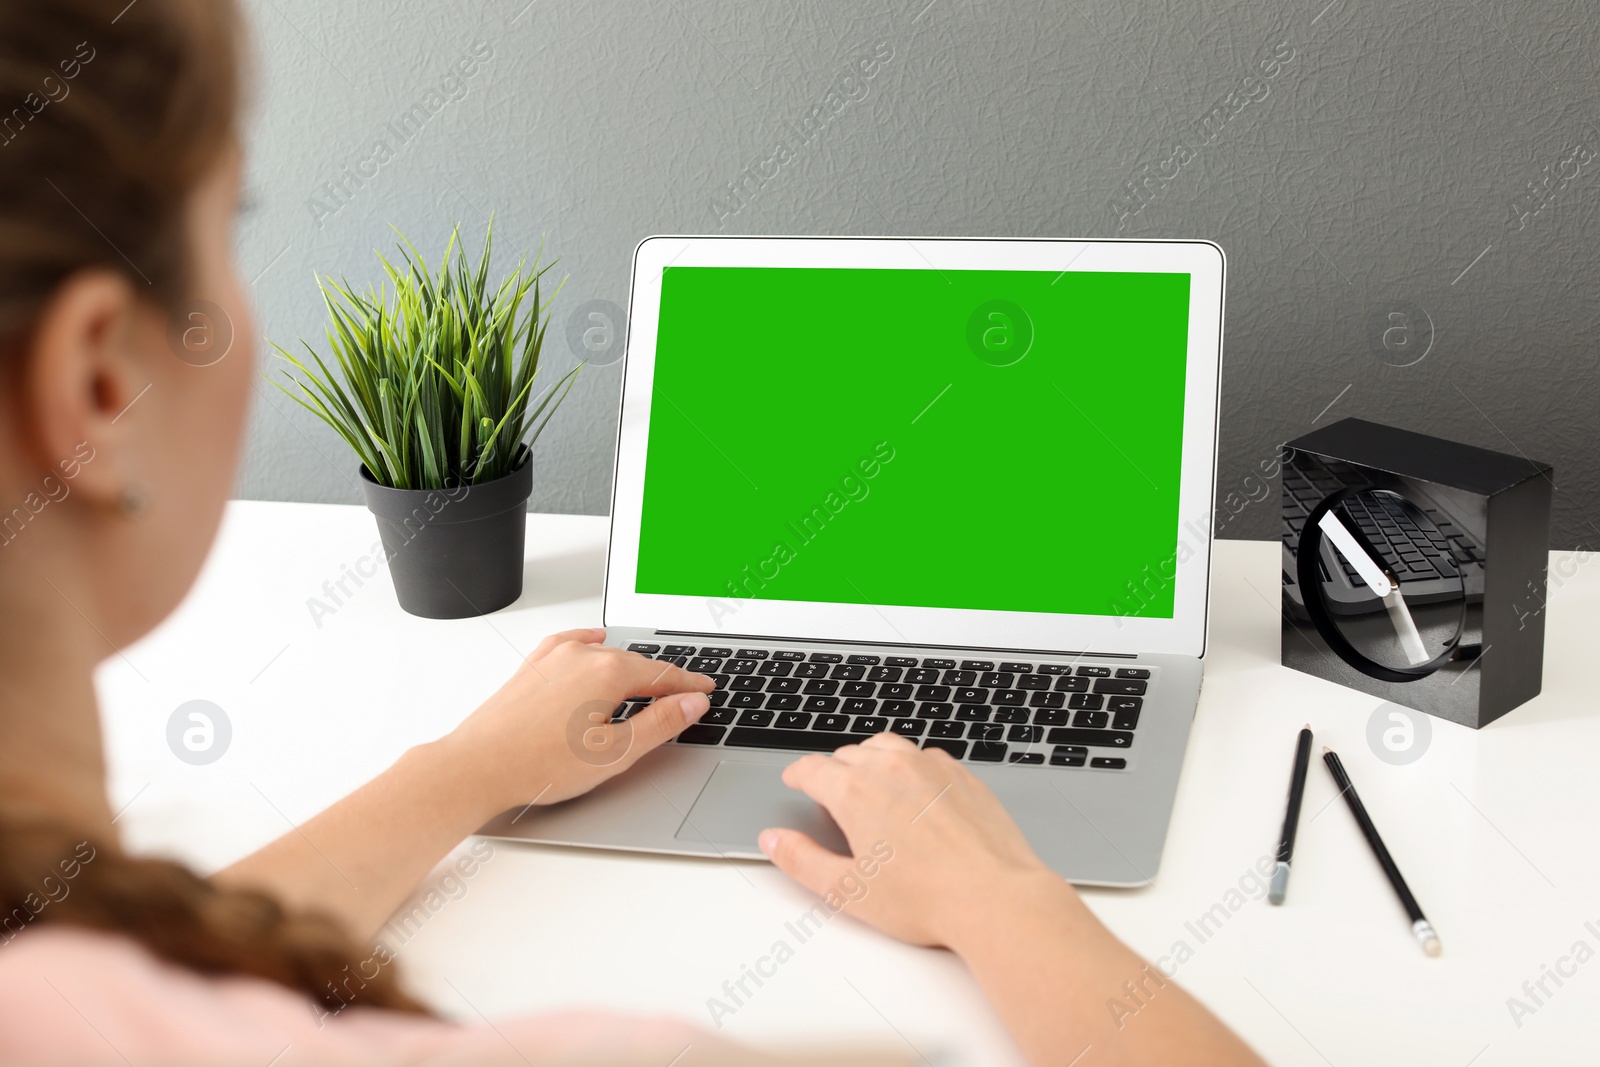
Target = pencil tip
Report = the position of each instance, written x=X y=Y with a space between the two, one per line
x=1307 y=726
x=1326 y=750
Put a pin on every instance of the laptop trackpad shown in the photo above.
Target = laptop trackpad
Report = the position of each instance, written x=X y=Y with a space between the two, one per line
x=742 y=799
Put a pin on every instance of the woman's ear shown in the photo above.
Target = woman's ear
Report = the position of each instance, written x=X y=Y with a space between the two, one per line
x=81 y=373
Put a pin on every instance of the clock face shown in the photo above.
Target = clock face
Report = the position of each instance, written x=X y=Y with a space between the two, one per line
x=1384 y=570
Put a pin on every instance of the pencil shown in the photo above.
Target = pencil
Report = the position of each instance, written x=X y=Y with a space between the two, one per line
x=1420 y=928
x=1291 y=817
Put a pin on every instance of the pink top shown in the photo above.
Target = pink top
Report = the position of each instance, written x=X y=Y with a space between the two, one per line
x=75 y=996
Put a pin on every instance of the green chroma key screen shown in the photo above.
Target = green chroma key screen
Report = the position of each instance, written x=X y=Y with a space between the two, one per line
x=1006 y=440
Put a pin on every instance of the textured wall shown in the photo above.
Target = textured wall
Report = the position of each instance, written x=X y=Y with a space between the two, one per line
x=1431 y=160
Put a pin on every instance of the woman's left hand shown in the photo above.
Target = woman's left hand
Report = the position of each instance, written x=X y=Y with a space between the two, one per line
x=547 y=735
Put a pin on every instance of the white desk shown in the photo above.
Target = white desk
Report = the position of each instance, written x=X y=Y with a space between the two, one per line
x=1493 y=828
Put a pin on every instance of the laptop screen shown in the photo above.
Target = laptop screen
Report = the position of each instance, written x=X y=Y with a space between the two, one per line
x=1001 y=440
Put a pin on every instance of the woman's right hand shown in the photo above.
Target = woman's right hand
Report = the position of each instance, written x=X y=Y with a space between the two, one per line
x=935 y=852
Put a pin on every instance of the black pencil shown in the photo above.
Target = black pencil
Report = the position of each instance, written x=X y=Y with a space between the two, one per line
x=1420 y=927
x=1291 y=817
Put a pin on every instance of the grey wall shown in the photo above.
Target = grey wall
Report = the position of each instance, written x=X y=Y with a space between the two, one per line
x=1434 y=160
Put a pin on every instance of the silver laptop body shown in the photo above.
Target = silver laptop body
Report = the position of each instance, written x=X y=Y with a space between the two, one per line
x=1077 y=721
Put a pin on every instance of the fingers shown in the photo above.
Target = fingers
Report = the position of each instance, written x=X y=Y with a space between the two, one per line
x=802 y=859
x=663 y=720
x=587 y=635
x=648 y=677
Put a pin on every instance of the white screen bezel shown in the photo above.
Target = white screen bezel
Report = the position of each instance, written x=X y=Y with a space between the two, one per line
x=1183 y=634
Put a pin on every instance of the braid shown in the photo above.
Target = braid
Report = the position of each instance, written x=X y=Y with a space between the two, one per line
x=49 y=876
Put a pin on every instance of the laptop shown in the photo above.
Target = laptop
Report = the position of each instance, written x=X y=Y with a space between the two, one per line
x=956 y=489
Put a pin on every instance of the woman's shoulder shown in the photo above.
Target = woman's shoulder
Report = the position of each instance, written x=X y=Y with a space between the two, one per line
x=69 y=994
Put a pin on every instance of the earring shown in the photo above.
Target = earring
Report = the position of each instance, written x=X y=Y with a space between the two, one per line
x=131 y=500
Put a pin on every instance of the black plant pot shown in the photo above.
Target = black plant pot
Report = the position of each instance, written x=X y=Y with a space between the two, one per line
x=454 y=553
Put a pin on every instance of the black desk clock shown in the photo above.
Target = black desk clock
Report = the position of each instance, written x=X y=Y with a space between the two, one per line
x=1414 y=568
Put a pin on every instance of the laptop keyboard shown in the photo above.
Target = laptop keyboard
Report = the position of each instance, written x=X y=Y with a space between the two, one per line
x=1026 y=713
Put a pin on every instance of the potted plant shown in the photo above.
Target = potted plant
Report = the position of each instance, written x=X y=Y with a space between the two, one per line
x=434 y=392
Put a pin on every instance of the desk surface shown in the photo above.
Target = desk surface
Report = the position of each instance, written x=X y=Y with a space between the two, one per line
x=1488 y=825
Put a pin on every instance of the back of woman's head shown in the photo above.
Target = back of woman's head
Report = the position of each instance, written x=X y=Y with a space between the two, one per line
x=112 y=115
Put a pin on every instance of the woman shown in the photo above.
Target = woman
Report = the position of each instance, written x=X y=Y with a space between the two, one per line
x=119 y=172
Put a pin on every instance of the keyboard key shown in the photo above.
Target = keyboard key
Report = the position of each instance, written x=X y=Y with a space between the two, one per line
x=1051 y=716
x=783 y=702
x=1124 y=712
x=789 y=654
x=705 y=665
x=967 y=695
x=1133 y=672
x=718 y=697
x=1055 y=668
x=1072 y=685
x=959 y=677
x=832 y=722
x=935 y=710
x=1094 y=672
x=933 y=692
x=644 y=646
x=1057 y=759
x=986 y=731
x=957 y=749
x=746 y=700
x=1047 y=700
x=794 y=740
x=1069 y=735
x=811 y=670
x=1034 y=681
x=676 y=661
x=1071 y=750
x=996 y=680
x=866 y=661
x=909 y=727
x=939 y=664
x=1025 y=735
x=977 y=665
x=740 y=666
x=755 y=718
x=884 y=674
x=921 y=676
x=821 y=704
x=1086 y=702
x=1027 y=757
x=783 y=685
x=988 y=752
x=716 y=653
x=1010 y=715
x=701 y=734
x=1109 y=763
x=971 y=713
x=859 y=706
x=848 y=672
x=1094 y=720
x=939 y=728
x=857 y=689
x=793 y=720
x=900 y=661
x=822 y=687
x=895 y=691
x=678 y=650
x=718 y=716
x=1121 y=687
x=752 y=653
x=1014 y=698
x=825 y=657
x=775 y=668
x=745 y=684
x=1016 y=668
x=899 y=709
x=870 y=724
